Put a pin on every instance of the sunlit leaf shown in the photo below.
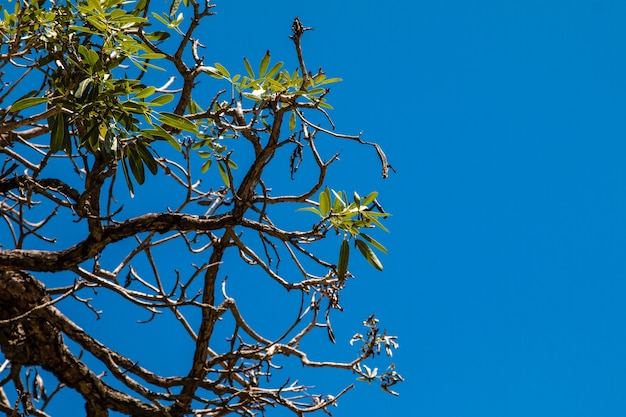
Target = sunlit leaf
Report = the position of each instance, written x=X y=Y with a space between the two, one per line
x=206 y=165
x=161 y=100
x=370 y=197
x=373 y=242
x=148 y=91
x=178 y=122
x=274 y=70
x=174 y=7
x=292 y=120
x=248 y=68
x=311 y=209
x=222 y=70
x=369 y=254
x=129 y=182
x=264 y=63
x=27 y=102
x=325 y=202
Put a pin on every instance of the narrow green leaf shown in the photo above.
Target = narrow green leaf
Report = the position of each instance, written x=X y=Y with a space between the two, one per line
x=80 y=90
x=174 y=7
x=26 y=103
x=206 y=165
x=292 y=121
x=161 y=100
x=213 y=72
x=272 y=72
x=325 y=201
x=157 y=36
x=311 y=209
x=264 y=63
x=223 y=174
x=93 y=137
x=147 y=158
x=129 y=182
x=370 y=197
x=339 y=204
x=248 y=68
x=329 y=81
x=377 y=223
x=160 y=19
x=178 y=122
x=222 y=70
x=369 y=254
x=58 y=128
x=151 y=55
x=370 y=213
x=373 y=242
x=164 y=134
x=344 y=255
x=136 y=165
x=146 y=92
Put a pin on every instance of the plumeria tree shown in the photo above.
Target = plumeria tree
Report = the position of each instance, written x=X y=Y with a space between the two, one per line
x=99 y=99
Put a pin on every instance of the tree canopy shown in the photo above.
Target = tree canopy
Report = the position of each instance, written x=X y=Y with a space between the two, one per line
x=102 y=97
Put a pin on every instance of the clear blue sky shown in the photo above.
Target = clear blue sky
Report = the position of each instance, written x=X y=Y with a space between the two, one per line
x=506 y=123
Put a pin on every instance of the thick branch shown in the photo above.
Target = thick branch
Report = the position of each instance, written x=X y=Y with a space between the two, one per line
x=53 y=261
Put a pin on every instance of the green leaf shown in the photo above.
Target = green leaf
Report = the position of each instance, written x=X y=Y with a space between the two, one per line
x=339 y=204
x=377 y=223
x=292 y=121
x=129 y=182
x=274 y=70
x=222 y=70
x=147 y=158
x=206 y=165
x=26 y=103
x=136 y=166
x=213 y=72
x=148 y=91
x=248 y=68
x=159 y=132
x=222 y=170
x=325 y=202
x=174 y=7
x=373 y=242
x=264 y=63
x=369 y=254
x=370 y=197
x=161 y=100
x=60 y=137
x=81 y=87
x=178 y=122
x=151 y=55
x=329 y=81
x=89 y=55
x=92 y=137
x=344 y=255
x=157 y=36
x=311 y=209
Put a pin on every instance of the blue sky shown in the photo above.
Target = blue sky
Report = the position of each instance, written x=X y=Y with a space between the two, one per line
x=506 y=124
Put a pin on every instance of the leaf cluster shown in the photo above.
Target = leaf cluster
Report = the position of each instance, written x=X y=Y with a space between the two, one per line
x=351 y=217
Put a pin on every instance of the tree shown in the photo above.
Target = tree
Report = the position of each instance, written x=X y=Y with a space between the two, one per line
x=84 y=123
